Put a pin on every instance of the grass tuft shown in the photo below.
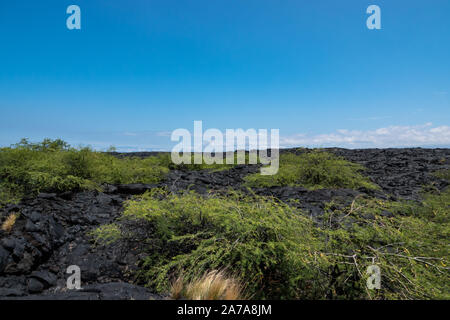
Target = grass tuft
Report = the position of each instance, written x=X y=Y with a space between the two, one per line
x=8 y=224
x=213 y=285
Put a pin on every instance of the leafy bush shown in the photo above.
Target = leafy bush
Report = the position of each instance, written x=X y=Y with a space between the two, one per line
x=408 y=241
x=204 y=165
x=435 y=207
x=443 y=174
x=313 y=170
x=266 y=244
x=106 y=234
x=279 y=253
x=9 y=193
x=53 y=166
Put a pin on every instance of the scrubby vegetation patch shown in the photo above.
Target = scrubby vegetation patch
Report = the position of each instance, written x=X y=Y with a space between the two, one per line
x=279 y=253
x=54 y=166
x=313 y=170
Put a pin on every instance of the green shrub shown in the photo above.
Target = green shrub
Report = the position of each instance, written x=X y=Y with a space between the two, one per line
x=10 y=194
x=106 y=234
x=103 y=168
x=279 y=253
x=410 y=247
x=443 y=174
x=313 y=170
x=53 y=166
x=43 y=181
x=204 y=165
x=265 y=243
x=435 y=207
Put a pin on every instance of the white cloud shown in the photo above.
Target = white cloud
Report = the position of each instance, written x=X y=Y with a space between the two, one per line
x=393 y=136
x=426 y=135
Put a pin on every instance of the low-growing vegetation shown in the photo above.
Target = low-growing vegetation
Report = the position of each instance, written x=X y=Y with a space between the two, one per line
x=269 y=249
x=208 y=166
x=443 y=174
x=52 y=166
x=9 y=222
x=265 y=243
x=277 y=252
x=313 y=170
x=213 y=285
x=408 y=241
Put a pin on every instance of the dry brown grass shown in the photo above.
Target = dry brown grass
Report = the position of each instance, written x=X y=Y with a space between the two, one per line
x=9 y=222
x=213 y=285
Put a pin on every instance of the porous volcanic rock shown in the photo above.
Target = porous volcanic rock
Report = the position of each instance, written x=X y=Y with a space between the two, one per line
x=52 y=230
x=52 y=233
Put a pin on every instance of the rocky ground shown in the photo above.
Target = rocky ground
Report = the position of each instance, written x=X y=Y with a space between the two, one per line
x=52 y=231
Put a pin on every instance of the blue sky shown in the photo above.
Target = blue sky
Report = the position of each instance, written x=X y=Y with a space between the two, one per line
x=139 y=69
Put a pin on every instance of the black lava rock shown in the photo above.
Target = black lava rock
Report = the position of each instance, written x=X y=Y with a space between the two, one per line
x=52 y=231
x=35 y=286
